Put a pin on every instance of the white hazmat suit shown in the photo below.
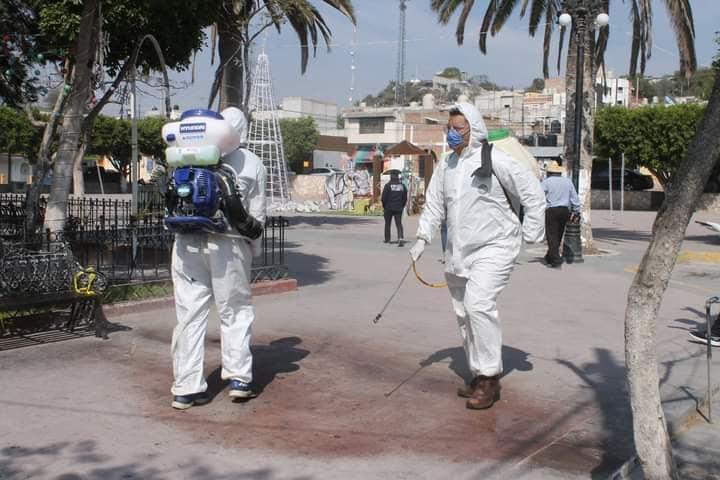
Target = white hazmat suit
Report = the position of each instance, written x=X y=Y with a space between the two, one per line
x=217 y=266
x=484 y=236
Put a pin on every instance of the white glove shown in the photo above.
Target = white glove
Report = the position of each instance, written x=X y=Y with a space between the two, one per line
x=417 y=250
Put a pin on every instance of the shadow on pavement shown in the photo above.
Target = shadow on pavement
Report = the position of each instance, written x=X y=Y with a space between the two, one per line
x=712 y=239
x=48 y=328
x=307 y=269
x=320 y=220
x=606 y=377
x=278 y=357
x=89 y=463
x=513 y=359
x=620 y=235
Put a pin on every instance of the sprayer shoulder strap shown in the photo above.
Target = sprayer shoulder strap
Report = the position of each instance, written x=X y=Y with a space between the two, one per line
x=487 y=161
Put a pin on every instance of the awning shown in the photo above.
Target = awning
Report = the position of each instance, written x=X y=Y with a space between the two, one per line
x=404 y=148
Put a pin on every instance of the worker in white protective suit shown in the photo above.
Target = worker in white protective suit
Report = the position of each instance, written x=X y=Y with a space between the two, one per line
x=478 y=196
x=217 y=266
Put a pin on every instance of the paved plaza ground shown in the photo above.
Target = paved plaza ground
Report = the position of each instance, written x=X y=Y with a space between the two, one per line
x=93 y=409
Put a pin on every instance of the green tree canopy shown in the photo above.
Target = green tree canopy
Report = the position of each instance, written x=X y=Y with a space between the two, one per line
x=653 y=137
x=150 y=140
x=451 y=72
x=111 y=137
x=300 y=136
x=17 y=134
x=537 y=85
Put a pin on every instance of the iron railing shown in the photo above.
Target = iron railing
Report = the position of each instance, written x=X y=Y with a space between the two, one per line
x=104 y=235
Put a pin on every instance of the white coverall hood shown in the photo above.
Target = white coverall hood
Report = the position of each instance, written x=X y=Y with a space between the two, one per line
x=484 y=236
x=236 y=118
x=478 y=130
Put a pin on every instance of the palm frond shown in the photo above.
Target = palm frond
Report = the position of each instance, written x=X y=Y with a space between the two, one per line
x=345 y=7
x=681 y=17
x=550 y=14
x=446 y=9
x=601 y=45
x=523 y=8
x=636 y=38
x=489 y=14
x=536 y=14
x=460 y=31
x=504 y=11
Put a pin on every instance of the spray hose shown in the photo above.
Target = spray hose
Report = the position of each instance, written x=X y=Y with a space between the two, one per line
x=424 y=282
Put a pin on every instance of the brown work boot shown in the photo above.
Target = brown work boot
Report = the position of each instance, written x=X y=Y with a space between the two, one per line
x=486 y=393
x=468 y=390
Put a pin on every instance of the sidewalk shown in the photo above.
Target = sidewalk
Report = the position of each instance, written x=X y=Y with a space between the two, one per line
x=96 y=409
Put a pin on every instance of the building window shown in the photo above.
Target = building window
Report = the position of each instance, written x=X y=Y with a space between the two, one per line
x=620 y=89
x=372 y=125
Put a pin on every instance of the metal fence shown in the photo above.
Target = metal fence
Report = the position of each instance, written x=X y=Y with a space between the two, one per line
x=103 y=234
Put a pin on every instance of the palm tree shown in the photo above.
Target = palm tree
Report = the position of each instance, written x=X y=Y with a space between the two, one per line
x=543 y=13
x=242 y=21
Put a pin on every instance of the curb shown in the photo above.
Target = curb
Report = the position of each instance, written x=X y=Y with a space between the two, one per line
x=675 y=428
x=141 y=306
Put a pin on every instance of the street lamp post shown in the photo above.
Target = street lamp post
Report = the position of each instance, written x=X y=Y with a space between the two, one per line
x=578 y=11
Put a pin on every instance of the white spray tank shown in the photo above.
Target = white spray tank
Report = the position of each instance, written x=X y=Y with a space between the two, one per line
x=200 y=138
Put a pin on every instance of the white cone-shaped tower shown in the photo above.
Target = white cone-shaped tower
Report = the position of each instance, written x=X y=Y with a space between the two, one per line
x=264 y=136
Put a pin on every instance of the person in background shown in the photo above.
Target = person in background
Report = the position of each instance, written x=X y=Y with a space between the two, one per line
x=562 y=205
x=394 y=198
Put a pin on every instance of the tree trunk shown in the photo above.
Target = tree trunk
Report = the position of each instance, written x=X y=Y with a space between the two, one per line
x=33 y=216
x=84 y=49
x=229 y=52
x=587 y=123
x=645 y=295
x=78 y=178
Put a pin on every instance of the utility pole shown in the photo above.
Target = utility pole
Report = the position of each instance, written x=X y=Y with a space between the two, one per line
x=400 y=74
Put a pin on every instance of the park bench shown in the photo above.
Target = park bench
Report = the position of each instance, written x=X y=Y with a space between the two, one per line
x=37 y=278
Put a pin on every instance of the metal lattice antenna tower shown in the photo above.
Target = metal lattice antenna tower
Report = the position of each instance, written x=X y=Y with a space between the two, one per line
x=400 y=76
x=352 y=66
x=264 y=136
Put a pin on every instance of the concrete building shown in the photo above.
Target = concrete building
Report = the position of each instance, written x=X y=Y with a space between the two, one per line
x=616 y=91
x=526 y=113
x=324 y=113
x=373 y=130
x=451 y=83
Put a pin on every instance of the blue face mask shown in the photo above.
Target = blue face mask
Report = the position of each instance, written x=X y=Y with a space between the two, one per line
x=454 y=139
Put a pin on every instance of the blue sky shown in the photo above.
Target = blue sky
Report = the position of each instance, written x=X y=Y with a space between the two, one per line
x=513 y=58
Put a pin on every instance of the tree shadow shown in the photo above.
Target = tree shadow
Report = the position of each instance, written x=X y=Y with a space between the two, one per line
x=278 y=357
x=619 y=235
x=320 y=220
x=306 y=268
x=89 y=462
x=513 y=359
x=606 y=377
x=712 y=239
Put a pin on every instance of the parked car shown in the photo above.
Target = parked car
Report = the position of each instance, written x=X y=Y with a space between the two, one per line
x=326 y=171
x=634 y=180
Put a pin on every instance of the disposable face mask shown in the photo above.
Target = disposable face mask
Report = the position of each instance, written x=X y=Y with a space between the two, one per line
x=454 y=139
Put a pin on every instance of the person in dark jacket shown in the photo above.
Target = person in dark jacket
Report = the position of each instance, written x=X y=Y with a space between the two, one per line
x=394 y=198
